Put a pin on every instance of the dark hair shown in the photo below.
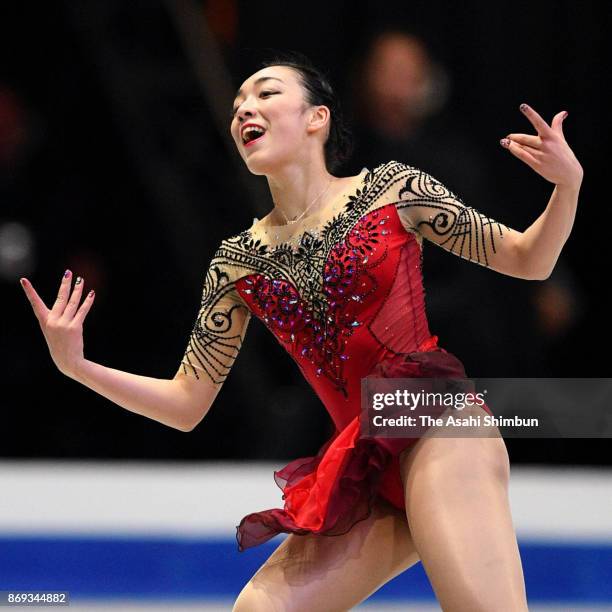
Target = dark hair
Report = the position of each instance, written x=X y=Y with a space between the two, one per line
x=316 y=84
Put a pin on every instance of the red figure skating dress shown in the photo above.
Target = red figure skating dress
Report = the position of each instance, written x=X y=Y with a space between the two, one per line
x=346 y=301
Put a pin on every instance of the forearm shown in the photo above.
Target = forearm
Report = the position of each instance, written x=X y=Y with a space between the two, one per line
x=541 y=243
x=162 y=400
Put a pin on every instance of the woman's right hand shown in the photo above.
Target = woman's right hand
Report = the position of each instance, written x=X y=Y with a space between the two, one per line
x=62 y=326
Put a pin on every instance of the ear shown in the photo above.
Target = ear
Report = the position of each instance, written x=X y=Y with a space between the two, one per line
x=319 y=117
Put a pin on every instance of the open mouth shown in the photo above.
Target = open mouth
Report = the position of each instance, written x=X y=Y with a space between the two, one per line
x=251 y=134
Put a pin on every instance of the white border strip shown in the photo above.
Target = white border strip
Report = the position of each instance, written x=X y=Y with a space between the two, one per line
x=209 y=499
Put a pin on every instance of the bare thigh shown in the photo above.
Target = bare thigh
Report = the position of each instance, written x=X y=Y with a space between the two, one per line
x=456 y=492
x=332 y=573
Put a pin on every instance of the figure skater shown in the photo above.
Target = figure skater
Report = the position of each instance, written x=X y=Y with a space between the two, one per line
x=334 y=271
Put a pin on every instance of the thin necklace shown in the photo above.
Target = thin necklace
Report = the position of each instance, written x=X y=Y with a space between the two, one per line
x=292 y=221
x=295 y=240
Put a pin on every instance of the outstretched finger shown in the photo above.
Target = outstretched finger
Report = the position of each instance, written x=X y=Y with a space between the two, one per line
x=557 y=122
x=526 y=139
x=520 y=151
x=74 y=300
x=38 y=306
x=538 y=123
x=535 y=153
x=62 y=295
x=84 y=308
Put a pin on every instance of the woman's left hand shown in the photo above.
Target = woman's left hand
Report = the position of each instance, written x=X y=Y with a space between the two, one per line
x=547 y=153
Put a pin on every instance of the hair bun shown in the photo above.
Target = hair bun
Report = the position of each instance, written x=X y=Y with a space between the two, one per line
x=318 y=90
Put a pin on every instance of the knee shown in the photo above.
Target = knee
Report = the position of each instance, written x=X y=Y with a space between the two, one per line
x=462 y=461
x=498 y=460
x=488 y=460
x=250 y=601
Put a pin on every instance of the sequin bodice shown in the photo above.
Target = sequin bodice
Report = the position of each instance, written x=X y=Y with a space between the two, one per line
x=338 y=301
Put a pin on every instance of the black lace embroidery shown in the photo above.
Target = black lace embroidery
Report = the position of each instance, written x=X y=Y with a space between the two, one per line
x=218 y=332
x=221 y=324
x=461 y=229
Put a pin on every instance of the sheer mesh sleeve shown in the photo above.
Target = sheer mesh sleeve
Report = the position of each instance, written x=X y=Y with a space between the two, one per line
x=425 y=205
x=220 y=325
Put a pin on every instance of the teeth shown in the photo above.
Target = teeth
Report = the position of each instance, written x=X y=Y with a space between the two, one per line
x=251 y=132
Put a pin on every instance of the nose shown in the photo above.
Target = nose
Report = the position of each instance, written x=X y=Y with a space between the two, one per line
x=245 y=110
x=244 y=113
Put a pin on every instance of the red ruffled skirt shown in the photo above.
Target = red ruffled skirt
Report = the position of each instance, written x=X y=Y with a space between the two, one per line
x=329 y=493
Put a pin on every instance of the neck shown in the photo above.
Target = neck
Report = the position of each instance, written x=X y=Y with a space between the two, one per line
x=295 y=187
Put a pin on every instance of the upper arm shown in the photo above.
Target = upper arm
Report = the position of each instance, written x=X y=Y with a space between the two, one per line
x=429 y=207
x=217 y=334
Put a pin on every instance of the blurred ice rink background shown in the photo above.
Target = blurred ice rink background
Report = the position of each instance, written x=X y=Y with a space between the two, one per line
x=161 y=536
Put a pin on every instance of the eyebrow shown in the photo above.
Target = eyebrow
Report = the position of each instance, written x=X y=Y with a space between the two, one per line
x=259 y=80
